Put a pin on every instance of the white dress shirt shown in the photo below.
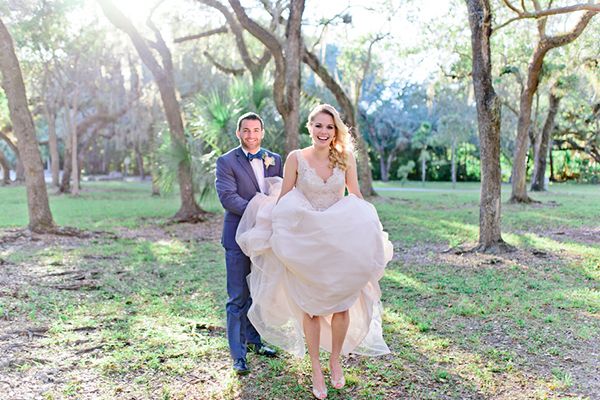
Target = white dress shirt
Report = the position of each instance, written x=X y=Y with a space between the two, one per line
x=259 y=171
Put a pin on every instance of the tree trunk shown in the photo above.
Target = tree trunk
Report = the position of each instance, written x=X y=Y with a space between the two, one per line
x=293 y=52
x=152 y=160
x=53 y=147
x=488 y=118
x=105 y=161
x=19 y=169
x=519 y=172
x=65 y=183
x=365 y=174
x=453 y=162
x=544 y=44
x=541 y=150
x=552 y=178
x=163 y=76
x=40 y=216
x=423 y=167
x=5 y=169
x=383 y=167
x=74 y=165
x=71 y=113
x=388 y=164
x=139 y=160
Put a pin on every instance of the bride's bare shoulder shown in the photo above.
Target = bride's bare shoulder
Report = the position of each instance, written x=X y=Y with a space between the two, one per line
x=294 y=154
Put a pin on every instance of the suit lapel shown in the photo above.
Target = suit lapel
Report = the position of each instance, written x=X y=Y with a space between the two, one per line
x=265 y=170
x=243 y=161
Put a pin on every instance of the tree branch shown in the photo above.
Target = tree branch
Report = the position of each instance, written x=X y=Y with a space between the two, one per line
x=523 y=14
x=140 y=43
x=161 y=46
x=560 y=40
x=255 y=68
x=275 y=48
x=223 y=68
x=506 y=104
x=342 y=98
x=216 y=31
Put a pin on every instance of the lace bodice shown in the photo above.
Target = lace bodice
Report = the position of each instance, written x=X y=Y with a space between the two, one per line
x=321 y=194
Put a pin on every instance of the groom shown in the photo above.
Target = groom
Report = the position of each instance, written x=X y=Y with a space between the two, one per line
x=241 y=174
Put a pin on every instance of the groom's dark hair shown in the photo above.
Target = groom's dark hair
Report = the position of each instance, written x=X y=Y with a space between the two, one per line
x=252 y=116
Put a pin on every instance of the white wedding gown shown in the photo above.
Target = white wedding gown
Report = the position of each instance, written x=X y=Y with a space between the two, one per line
x=316 y=251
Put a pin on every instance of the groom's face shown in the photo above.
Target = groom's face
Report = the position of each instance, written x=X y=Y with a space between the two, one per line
x=250 y=134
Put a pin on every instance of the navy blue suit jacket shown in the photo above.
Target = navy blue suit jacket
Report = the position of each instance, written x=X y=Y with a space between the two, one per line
x=236 y=186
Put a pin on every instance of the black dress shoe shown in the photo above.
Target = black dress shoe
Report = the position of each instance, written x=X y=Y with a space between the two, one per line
x=240 y=367
x=262 y=350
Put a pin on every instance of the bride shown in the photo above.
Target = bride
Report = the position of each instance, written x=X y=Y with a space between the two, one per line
x=317 y=255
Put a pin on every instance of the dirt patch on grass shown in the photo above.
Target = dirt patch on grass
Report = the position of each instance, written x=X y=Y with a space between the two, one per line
x=210 y=230
x=584 y=235
x=462 y=257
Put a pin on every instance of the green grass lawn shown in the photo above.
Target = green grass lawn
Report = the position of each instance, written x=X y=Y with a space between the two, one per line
x=99 y=206
x=138 y=311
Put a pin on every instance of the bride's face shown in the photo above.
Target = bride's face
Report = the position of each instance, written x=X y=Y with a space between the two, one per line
x=322 y=130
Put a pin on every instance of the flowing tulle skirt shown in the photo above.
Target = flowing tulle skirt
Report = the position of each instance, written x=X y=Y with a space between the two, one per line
x=318 y=262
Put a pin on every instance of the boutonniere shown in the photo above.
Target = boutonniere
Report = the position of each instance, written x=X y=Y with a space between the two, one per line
x=268 y=160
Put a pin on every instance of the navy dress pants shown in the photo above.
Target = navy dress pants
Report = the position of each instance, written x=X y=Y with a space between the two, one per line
x=239 y=329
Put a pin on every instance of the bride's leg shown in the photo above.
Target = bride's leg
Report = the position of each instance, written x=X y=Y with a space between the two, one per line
x=339 y=327
x=312 y=333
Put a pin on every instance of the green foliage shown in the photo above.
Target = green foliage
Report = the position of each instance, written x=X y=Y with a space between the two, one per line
x=404 y=170
x=203 y=173
x=168 y=157
x=215 y=115
x=468 y=161
x=509 y=69
x=422 y=137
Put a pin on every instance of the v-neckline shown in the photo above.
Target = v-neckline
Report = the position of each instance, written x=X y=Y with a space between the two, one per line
x=324 y=181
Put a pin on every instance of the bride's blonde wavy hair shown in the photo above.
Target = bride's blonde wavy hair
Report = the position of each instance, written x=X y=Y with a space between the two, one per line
x=342 y=141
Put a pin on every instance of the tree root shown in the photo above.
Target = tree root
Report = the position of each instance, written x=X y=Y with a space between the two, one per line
x=89 y=349
x=67 y=231
x=198 y=216
x=523 y=200
x=500 y=247
x=79 y=272
x=84 y=329
x=30 y=332
x=76 y=286
x=15 y=235
x=211 y=329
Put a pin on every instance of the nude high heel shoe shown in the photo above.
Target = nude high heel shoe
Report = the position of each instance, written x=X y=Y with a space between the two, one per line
x=318 y=394
x=337 y=383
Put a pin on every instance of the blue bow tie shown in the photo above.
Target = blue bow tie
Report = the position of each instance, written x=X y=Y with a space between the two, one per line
x=259 y=155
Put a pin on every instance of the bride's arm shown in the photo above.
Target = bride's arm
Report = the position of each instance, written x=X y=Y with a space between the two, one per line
x=290 y=172
x=352 y=176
